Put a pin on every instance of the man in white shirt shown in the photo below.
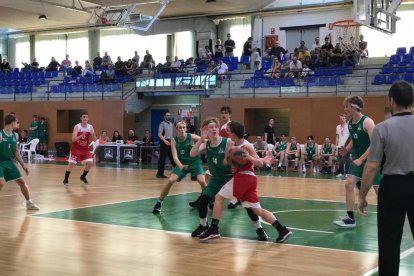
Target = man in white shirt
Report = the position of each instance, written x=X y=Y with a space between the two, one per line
x=176 y=64
x=222 y=69
x=316 y=47
x=295 y=67
x=342 y=135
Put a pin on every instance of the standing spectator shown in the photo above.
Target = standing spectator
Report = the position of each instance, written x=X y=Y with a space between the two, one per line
x=229 y=45
x=269 y=132
x=165 y=133
x=148 y=60
x=43 y=135
x=248 y=48
x=342 y=136
x=363 y=48
x=53 y=65
x=218 y=49
x=34 y=127
x=97 y=61
x=106 y=60
x=136 y=57
x=316 y=47
x=396 y=158
x=257 y=57
x=277 y=51
x=147 y=147
x=302 y=46
x=5 y=66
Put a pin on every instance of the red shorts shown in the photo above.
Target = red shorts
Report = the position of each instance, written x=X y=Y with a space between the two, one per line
x=80 y=156
x=244 y=188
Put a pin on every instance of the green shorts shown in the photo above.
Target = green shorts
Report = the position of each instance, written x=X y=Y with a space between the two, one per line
x=308 y=158
x=42 y=139
x=195 y=168
x=358 y=170
x=9 y=171
x=214 y=185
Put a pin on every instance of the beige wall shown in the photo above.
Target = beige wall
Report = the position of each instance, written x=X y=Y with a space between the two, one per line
x=317 y=116
x=103 y=115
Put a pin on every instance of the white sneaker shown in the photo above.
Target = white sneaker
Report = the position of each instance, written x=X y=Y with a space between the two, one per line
x=340 y=175
x=345 y=222
x=31 y=206
x=304 y=170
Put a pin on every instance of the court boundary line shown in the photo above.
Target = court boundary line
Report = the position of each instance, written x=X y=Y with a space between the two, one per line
x=403 y=254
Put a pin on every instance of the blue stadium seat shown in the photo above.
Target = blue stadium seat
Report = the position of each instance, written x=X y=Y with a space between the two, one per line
x=392 y=78
x=407 y=58
x=274 y=82
x=245 y=60
x=380 y=79
x=401 y=51
x=408 y=77
x=395 y=59
x=387 y=69
x=258 y=74
x=247 y=83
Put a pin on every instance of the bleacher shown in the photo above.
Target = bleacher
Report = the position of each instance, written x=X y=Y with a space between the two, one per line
x=23 y=82
x=399 y=67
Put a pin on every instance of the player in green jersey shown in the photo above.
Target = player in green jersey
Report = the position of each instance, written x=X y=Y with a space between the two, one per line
x=327 y=154
x=9 y=151
x=278 y=152
x=309 y=153
x=181 y=146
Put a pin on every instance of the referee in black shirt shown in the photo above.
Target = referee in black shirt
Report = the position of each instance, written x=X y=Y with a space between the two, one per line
x=392 y=148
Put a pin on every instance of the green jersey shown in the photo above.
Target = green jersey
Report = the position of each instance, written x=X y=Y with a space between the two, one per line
x=360 y=138
x=327 y=149
x=293 y=147
x=281 y=146
x=183 y=150
x=310 y=150
x=42 y=130
x=215 y=157
x=7 y=145
x=35 y=132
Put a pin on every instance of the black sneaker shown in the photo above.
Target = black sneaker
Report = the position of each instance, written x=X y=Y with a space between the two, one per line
x=157 y=208
x=295 y=169
x=233 y=206
x=194 y=204
x=323 y=171
x=200 y=229
x=261 y=234
x=84 y=180
x=160 y=176
x=280 y=169
x=284 y=234
x=66 y=183
x=209 y=234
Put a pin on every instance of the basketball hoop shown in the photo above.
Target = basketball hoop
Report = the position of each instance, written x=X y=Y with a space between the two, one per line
x=101 y=16
x=346 y=33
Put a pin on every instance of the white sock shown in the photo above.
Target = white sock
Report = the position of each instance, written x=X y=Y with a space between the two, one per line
x=258 y=224
x=203 y=221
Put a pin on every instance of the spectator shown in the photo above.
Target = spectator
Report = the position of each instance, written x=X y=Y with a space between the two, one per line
x=108 y=75
x=116 y=136
x=190 y=127
x=277 y=51
x=296 y=53
x=274 y=70
x=308 y=63
x=136 y=57
x=129 y=66
x=24 y=137
x=120 y=68
x=248 y=48
x=97 y=61
x=5 y=66
x=363 y=48
x=229 y=46
x=207 y=53
x=88 y=70
x=260 y=146
x=269 y=132
x=176 y=64
x=211 y=67
x=148 y=60
x=302 y=46
x=350 y=58
x=316 y=47
x=131 y=137
x=218 y=49
x=295 y=68
x=53 y=65
x=66 y=66
x=257 y=57
x=103 y=139
x=303 y=53
x=147 y=148
x=78 y=68
x=222 y=69
x=35 y=65
x=328 y=47
x=323 y=58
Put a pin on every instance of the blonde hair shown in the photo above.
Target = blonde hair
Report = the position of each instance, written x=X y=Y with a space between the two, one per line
x=179 y=123
x=210 y=120
x=354 y=101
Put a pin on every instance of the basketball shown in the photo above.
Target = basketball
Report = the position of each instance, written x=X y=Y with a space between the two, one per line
x=237 y=157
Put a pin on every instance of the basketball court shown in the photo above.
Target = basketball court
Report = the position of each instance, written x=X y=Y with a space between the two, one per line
x=109 y=228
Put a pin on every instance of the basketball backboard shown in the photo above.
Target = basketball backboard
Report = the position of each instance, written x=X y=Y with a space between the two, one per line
x=377 y=14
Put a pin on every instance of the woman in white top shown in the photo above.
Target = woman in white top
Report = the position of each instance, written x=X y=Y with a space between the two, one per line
x=257 y=57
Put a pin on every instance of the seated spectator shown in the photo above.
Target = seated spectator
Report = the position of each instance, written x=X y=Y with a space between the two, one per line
x=120 y=68
x=316 y=47
x=274 y=70
x=292 y=152
x=295 y=53
x=308 y=63
x=106 y=60
x=363 y=48
x=176 y=65
x=97 y=62
x=5 y=66
x=278 y=152
x=328 y=47
x=33 y=67
x=350 y=58
x=88 y=70
x=191 y=68
x=166 y=67
x=260 y=146
x=257 y=57
x=129 y=66
x=285 y=67
x=146 y=150
x=131 y=137
x=136 y=57
x=222 y=69
x=108 y=75
x=66 y=66
x=211 y=67
x=295 y=68
x=77 y=70
x=277 y=50
x=207 y=53
x=103 y=138
x=302 y=46
x=148 y=60
x=218 y=49
x=116 y=136
x=323 y=58
x=310 y=153
x=24 y=137
x=53 y=65
x=326 y=156
x=337 y=57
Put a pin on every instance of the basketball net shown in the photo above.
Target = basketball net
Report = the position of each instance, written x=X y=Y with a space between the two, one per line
x=346 y=33
x=100 y=14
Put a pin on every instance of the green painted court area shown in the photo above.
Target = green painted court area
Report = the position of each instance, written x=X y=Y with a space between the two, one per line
x=310 y=220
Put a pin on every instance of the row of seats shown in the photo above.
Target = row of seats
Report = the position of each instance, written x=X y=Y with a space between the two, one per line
x=15 y=89
x=390 y=78
x=73 y=88
x=401 y=68
x=309 y=81
x=28 y=75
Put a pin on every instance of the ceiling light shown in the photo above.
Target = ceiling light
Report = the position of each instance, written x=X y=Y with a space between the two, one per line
x=42 y=17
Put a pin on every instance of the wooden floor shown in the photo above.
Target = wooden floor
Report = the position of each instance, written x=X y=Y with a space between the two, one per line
x=41 y=246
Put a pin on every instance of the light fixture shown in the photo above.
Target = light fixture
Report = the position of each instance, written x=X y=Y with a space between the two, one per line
x=209 y=1
x=42 y=17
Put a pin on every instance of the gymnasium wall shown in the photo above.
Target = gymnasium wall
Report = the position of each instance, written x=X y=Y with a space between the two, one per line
x=317 y=116
x=103 y=115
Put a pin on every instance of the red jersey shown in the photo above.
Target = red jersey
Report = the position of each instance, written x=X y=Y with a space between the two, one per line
x=223 y=131
x=248 y=167
x=83 y=143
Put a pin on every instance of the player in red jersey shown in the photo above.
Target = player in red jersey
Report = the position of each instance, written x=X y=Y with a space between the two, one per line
x=79 y=149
